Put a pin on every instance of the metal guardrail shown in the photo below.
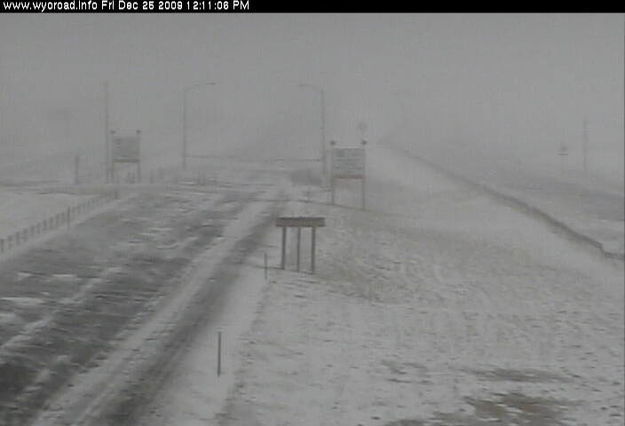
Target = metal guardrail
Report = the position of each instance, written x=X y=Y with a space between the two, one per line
x=65 y=217
x=56 y=221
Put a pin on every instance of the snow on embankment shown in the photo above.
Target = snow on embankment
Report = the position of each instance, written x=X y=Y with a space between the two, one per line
x=435 y=306
x=587 y=212
x=20 y=209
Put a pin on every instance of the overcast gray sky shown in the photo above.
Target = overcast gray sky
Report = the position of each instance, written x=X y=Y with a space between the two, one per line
x=524 y=80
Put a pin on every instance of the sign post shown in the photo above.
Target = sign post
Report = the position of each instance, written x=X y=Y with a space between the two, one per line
x=563 y=152
x=283 y=257
x=299 y=239
x=312 y=249
x=299 y=223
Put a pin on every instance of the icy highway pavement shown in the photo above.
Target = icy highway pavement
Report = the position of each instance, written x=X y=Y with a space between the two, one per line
x=437 y=306
x=89 y=313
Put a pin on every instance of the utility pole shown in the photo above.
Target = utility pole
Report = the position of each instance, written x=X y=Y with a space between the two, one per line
x=76 y=169
x=323 y=134
x=107 y=171
x=585 y=145
x=184 y=128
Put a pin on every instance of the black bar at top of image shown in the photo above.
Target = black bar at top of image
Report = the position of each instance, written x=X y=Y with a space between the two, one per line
x=416 y=6
x=295 y=6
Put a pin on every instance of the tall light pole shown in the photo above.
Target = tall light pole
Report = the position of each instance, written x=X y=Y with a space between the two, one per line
x=323 y=126
x=585 y=146
x=184 y=118
x=107 y=171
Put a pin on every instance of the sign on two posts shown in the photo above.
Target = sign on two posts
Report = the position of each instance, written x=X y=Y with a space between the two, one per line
x=126 y=149
x=348 y=163
x=298 y=223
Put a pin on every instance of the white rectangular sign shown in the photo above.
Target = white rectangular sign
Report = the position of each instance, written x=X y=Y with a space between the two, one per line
x=125 y=149
x=348 y=163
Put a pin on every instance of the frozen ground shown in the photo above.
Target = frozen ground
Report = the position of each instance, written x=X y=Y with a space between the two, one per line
x=22 y=207
x=437 y=306
x=591 y=205
x=111 y=293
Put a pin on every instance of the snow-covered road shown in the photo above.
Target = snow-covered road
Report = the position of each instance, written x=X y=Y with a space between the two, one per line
x=436 y=306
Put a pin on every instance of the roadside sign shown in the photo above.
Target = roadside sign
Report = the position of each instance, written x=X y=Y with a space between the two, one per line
x=348 y=163
x=301 y=222
x=362 y=127
x=125 y=149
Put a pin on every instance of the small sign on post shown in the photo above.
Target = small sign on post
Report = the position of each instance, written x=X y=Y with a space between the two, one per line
x=126 y=149
x=348 y=163
x=299 y=223
x=563 y=152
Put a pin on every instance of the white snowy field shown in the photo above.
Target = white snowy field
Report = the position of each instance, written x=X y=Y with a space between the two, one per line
x=437 y=305
x=21 y=208
x=589 y=205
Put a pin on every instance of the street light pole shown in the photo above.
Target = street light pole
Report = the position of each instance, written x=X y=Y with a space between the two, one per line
x=323 y=132
x=323 y=126
x=184 y=119
x=585 y=146
x=107 y=171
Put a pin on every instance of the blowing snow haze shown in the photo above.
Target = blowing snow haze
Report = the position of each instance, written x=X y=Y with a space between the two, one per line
x=462 y=267
x=511 y=86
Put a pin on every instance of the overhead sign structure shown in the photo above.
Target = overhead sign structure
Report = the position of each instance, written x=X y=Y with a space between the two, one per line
x=348 y=163
x=126 y=149
x=300 y=222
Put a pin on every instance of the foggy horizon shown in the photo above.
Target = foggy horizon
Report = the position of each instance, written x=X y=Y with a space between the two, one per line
x=311 y=219
x=515 y=83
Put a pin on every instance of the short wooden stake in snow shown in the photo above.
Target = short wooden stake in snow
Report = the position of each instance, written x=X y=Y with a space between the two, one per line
x=283 y=257
x=76 y=169
x=219 y=353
